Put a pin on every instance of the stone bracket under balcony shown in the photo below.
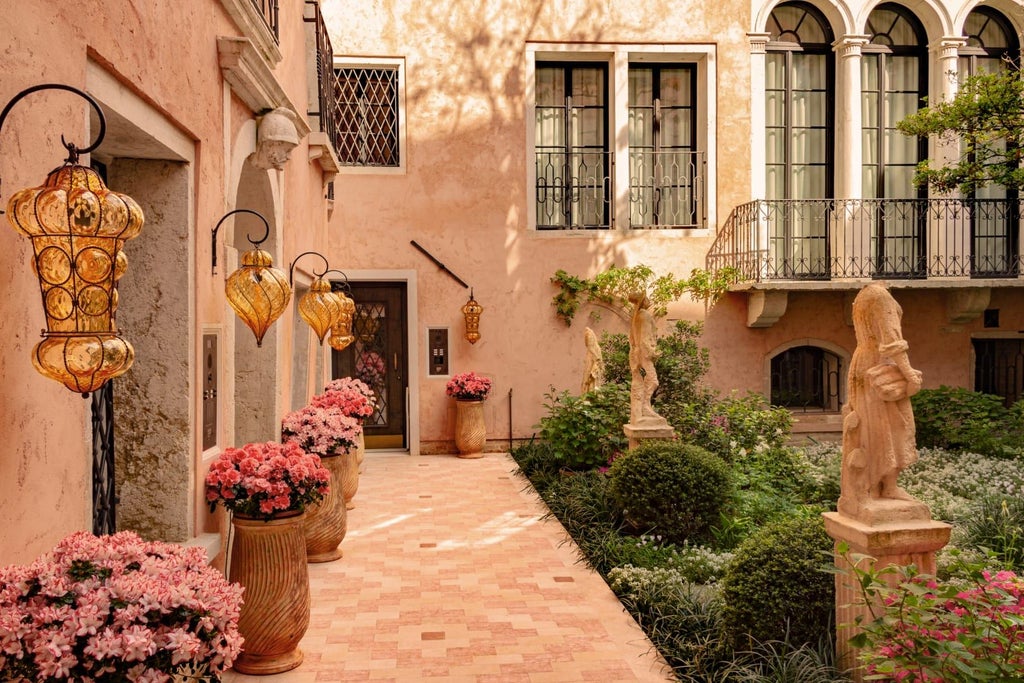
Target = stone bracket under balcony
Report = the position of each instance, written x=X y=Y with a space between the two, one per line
x=765 y=306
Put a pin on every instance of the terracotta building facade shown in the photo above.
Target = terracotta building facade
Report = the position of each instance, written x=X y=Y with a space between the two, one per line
x=442 y=151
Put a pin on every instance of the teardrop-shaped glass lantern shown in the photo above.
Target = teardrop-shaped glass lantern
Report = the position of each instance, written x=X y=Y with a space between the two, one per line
x=258 y=292
x=471 y=311
x=320 y=307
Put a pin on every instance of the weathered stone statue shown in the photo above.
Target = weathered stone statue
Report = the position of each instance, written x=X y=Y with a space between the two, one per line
x=276 y=137
x=593 y=375
x=878 y=420
x=643 y=350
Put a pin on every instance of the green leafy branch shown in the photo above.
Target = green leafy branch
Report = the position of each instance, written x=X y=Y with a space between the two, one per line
x=618 y=288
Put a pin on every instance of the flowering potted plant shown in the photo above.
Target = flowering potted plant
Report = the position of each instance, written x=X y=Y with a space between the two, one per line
x=268 y=487
x=352 y=396
x=468 y=386
x=469 y=391
x=322 y=431
x=265 y=480
x=116 y=608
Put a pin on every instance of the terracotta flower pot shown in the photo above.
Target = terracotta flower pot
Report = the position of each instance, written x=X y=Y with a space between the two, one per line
x=268 y=558
x=349 y=477
x=327 y=522
x=470 y=429
x=361 y=452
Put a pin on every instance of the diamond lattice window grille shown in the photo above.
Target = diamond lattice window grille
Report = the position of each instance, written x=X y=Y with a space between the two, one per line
x=366 y=116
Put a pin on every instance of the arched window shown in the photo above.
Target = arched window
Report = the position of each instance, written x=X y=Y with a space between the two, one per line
x=894 y=82
x=799 y=155
x=806 y=378
x=990 y=41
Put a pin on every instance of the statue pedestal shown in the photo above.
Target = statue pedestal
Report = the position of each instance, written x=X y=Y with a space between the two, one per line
x=648 y=429
x=894 y=541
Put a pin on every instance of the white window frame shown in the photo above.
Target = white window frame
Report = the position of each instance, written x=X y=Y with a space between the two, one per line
x=397 y=63
x=618 y=58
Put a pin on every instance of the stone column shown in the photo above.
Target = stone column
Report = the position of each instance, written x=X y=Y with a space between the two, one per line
x=850 y=232
x=896 y=542
x=947 y=239
x=758 y=41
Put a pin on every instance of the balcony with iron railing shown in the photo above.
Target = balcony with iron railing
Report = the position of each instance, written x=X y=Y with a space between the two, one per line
x=268 y=9
x=964 y=244
x=779 y=241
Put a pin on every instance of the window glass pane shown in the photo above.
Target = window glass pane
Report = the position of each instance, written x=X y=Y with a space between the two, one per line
x=900 y=148
x=869 y=72
x=808 y=145
x=809 y=71
x=776 y=145
x=774 y=108
x=808 y=109
x=869 y=140
x=776 y=188
x=675 y=128
x=900 y=106
x=587 y=87
x=550 y=85
x=808 y=182
x=869 y=180
x=641 y=127
x=869 y=110
x=587 y=127
x=550 y=126
x=901 y=73
x=641 y=86
x=675 y=87
x=898 y=183
x=775 y=70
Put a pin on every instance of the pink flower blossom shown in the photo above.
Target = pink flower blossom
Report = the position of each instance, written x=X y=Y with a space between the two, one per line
x=468 y=386
x=262 y=480
x=102 y=608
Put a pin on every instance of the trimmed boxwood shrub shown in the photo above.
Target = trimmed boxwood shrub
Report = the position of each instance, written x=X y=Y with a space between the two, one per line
x=669 y=488
x=777 y=586
x=958 y=419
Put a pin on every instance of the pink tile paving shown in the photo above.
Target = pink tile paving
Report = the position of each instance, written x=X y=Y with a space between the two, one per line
x=450 y=573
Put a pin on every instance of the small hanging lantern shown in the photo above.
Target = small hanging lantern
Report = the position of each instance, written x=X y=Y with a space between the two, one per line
x=78 y=228
x=320 y=306
x=258 y=292
x=341 y=331
x=472 y=310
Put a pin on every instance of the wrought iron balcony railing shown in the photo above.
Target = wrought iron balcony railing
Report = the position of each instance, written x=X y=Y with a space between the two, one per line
x=268 y=10
x=666 y=189
x=833 y=239
x=326 y=94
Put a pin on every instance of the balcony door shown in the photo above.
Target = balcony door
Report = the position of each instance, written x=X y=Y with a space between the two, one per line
x=379 y=357
x=995 y=212
x=894 y=78
x=799 y=91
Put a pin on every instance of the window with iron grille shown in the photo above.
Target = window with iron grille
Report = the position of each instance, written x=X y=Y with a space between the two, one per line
x=366 y=113
x=572 y=158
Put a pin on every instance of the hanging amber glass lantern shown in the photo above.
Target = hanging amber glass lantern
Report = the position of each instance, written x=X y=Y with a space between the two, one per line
x=78 y=228
x=471 y=311
x=320 y=306
x=341 y=331
x=258 y=292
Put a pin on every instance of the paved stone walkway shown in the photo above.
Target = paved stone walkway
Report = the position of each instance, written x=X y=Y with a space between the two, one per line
x=450 y=574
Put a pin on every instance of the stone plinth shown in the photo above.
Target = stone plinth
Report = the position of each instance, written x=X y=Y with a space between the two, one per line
x=893 y=542
x=655 y=429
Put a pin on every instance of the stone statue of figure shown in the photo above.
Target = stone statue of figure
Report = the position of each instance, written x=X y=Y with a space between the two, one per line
x=878 y=420
x=593 y=375
x=643 y=350
x=276 y=137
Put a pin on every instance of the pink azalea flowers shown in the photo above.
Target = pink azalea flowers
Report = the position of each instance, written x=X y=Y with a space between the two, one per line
x=321 y=431
x=468 y=386
x=353 y=397
x=265 y=479
x=116 y=608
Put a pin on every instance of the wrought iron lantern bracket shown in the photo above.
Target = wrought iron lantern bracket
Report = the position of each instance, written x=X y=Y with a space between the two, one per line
x=254 y=243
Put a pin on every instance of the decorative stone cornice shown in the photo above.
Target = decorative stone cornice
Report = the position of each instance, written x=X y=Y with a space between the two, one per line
x=765 y=307
x=253 y=81
x=254 y=26
x=322 y=151
x=758 y=42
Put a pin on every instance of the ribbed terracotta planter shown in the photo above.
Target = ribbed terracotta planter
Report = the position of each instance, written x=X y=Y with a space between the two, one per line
x=361 y=451
x=269 y=560
x=349 y=478
x=327 y=522
x=470 y=429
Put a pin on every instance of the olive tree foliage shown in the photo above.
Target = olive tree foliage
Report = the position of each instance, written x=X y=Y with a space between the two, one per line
x=616 y=287
x=986 y=118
